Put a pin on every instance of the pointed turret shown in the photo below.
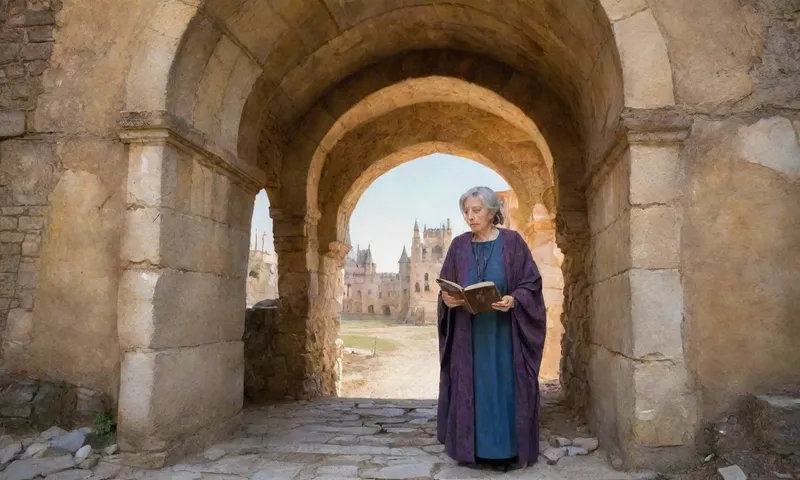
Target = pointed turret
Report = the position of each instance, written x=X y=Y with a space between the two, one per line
x=404 y=256
x=368 y=256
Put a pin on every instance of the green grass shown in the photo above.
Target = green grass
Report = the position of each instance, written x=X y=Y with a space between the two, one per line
x=363 y=342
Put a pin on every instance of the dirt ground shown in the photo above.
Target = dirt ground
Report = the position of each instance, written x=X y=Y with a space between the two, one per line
x=405 y=366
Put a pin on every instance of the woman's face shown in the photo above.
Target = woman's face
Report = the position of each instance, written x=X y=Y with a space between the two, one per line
x=477 y=215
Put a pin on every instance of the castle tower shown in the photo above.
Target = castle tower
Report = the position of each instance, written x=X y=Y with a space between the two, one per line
x=404 y=263
x=416 y=244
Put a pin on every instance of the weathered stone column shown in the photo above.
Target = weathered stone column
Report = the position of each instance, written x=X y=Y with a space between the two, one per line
x=181 y=297
x=643 y=404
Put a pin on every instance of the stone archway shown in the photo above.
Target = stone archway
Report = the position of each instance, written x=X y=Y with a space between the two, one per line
x=291 y=111
x=214 y=108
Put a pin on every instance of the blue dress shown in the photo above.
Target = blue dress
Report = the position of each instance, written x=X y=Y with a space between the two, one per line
x=492 y=361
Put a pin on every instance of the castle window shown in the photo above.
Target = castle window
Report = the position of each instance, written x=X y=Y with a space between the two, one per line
x=416 y=287
x=426 y=277
x=427 y=288
x=253 y=274
x=380 y=294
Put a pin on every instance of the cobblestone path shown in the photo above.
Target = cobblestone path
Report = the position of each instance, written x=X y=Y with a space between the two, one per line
x=336 y=439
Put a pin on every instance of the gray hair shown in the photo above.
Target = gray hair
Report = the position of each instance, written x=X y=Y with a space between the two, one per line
x=490 y=200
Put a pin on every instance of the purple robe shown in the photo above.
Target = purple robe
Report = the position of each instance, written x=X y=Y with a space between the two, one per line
x=456 y=414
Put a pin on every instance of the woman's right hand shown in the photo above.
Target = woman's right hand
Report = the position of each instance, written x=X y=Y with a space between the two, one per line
x=451 y=301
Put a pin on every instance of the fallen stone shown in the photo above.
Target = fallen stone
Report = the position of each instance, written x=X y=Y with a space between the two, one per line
x=53 y=432
x=783 y=475
x=554 y=454
x=10 y=452
x=732 y=473
x=72 y=441
x=90 y=462
x=556 y=441
x=30 y=468
x=112 y=449
x=36 y=449
x=589 y=444
x=70 y=475
x=83 y=453
x=574 y=451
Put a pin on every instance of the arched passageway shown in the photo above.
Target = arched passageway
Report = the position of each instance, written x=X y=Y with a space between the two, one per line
x=187 y=109
x=540 y=104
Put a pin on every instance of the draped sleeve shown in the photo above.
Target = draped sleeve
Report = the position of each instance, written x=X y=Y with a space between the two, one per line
x=529 y=310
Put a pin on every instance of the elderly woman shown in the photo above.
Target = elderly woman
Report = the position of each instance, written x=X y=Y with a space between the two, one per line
x=488 y=383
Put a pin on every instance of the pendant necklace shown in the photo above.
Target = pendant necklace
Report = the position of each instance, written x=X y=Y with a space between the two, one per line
x=481 y=264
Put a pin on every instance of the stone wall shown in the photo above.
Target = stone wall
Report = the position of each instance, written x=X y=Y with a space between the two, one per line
x=27 y=404
x=741 y=257
x=267 y=357
x=26 y=42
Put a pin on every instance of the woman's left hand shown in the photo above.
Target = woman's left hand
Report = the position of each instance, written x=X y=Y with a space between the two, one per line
x=505 y=304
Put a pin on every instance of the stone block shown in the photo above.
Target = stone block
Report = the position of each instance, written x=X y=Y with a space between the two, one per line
x=611 y=313
x=8 y=52
x=19 y=326
x=656 y=298
x=12 y=123
x=657 y=174
x=155 y=176
x=167 y=308
x=8 y=284
x=611 y=378
x=32 y=18
x=611 y=198
x=611 y=249
x=182 y=397
x=14 y=71
x=665 y=409
x=29 y=170
x=654 y=237
x=31 y=244
x=40 y=33
x=646 y=69
x=8 y=223
x=12 y=237
x=9 y=257
x=37 y=51
x=27 y=275
x=30 y=224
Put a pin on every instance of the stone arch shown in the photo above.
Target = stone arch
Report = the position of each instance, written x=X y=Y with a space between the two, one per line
x=267 y=98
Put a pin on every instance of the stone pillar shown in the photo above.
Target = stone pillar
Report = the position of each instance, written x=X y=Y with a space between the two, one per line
x=181 y=297
x=643 y=405
x=297 y=361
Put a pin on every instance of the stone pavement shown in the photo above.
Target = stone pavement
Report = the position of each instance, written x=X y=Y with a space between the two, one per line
x=336 y=439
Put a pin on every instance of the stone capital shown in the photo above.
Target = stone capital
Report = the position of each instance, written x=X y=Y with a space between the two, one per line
x=146 y=128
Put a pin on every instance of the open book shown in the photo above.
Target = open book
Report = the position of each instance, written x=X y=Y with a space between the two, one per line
x=478 y=297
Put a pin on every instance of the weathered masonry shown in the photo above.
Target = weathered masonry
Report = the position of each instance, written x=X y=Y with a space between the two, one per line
x=664 y=134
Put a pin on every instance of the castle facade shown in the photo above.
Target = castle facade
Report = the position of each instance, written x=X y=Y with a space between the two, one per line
x=411 y=293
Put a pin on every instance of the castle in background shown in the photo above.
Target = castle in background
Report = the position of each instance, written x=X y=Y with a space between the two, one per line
x=409 y=295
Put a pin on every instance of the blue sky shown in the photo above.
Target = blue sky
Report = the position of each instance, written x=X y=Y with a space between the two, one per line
x=426 y=189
